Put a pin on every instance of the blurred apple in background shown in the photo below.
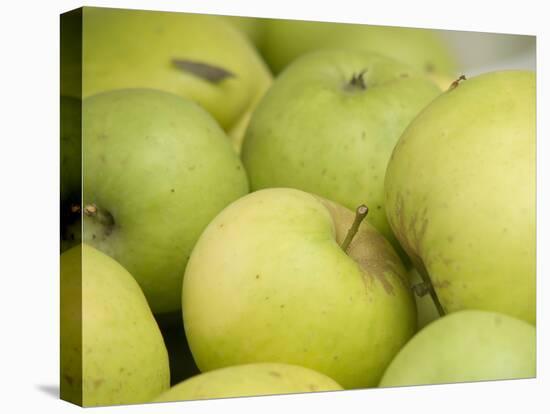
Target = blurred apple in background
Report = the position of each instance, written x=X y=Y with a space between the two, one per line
x=461 y=194
x=423 y=49
x=329 y=124
x=200 y=57
x=157 y=169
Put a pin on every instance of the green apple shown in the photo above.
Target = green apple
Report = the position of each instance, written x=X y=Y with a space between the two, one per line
x=251 y=27
x=200 y=57
x=285 y=40
x=460 y=194
x=468 y=345
x=157 y=169
x=273 y=278
x=250 y=380
x=328 y=126
x=112 y=350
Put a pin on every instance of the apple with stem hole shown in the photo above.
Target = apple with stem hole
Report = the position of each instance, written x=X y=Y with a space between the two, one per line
x=284 y=276
x=328 y=126
x=468 y=345
x=200 y=57
x=460 y=194
x=112 y=351
x=157 y=168
x=250 y=380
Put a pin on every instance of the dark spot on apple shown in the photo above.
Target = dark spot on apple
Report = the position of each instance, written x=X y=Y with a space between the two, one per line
x=324 y=171
x=379 y=207
x=172 y=190
x=274 y=374
x=441 y=284
x=93 y=236
x=102 y=135
x=282 y=306
x=498 y=320
x=403 y=75
x=312 y=387
x=69 y=379
x=221 y=225
x=98 y=382
x=191 y=168
x=102 y=158
x=205 y=71
x=450 y=239
x=335 y=357
x=363 y=135
x=257 y=276
x=238 y=167
x=121 y=369
x=429 y=67
x=267 y=298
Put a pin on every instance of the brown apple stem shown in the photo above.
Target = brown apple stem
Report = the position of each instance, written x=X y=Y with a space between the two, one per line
x=457 y=82
x=430 y=288
x=103 y=217
x=360 y=214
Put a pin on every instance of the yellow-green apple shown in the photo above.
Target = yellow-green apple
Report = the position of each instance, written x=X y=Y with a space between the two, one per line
x=252 y=27
x=460 y=194
x=250 y=380
x=200 y=57
x=157 y=169
x=285 y=40
x=112 y=350
x=274 y=277
x=468 y=345
x=328 y=126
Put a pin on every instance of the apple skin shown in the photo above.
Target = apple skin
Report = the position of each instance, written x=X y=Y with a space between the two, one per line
x=285 y=40
x=135 y=49
x=314 y=132
x=268 y=281
x=251 y=27
x=468 y=345
x=250 y=380
x=460 y=194
x=162 y=168
x=112 y=351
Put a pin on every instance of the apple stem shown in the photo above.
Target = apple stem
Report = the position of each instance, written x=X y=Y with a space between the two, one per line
x=103 y=217
x=457 y=82
x=357 y=81
x=426 y=281
x=360 y=213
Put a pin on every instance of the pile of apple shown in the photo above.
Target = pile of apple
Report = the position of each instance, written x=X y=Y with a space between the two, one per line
x=318 y=206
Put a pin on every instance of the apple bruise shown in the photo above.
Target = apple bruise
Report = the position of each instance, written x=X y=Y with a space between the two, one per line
x=376 y=262
x=205 y=71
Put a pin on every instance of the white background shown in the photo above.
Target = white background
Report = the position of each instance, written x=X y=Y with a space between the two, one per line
x=29 y=187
